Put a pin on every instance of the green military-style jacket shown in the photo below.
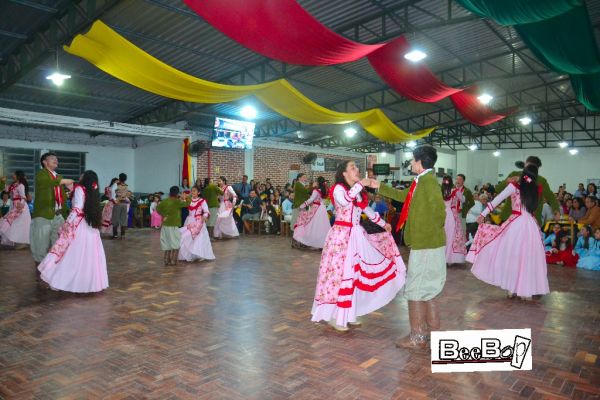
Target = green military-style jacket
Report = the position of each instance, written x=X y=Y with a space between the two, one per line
x=44 y=199
x=211 y=194
x=424 y=228
x=170 y=210
x=469 y=202
x=2 y=185
x=547 y=194
x=301 y=194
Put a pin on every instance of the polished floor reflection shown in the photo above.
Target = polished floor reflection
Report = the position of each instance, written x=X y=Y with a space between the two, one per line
x=239 y=328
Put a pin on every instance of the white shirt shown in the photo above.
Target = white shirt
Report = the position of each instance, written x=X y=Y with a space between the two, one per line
x=474 y=212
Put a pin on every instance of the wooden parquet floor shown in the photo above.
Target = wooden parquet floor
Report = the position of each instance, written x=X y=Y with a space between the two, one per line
x=239 y=328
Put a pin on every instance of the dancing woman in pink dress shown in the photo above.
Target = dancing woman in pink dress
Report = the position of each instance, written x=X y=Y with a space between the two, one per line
x=511 y=256
x=76 y=262
x=225 y=224
x=14 y=226
x=313 y=224
x=455 y=237
x=195 y=241
x=107 y=227
x=155 y=217
x=359 y=273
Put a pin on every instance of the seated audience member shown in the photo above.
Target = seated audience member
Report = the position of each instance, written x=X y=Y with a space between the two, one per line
x=592 y=191
x=562 y=252
x=547 y=214
x=5 y=203
x=551 y=239
x=580 y=192
x=592 y=258
x=273 y=214
x=481 y=201
x=379 y=205
x=582 y=247
x=566 y=206
x=592 y=214
x=253 y=210
x=286 y=207
x=578 y=210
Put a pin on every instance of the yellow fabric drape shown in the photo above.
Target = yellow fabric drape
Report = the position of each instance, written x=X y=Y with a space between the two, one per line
x=120 y=58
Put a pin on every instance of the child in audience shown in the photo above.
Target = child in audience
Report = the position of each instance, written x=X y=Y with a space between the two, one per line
x=155 y=218
x=170 y=236
x=592 y=259
x=550 y=240
x=582 y=246
x=562 y=251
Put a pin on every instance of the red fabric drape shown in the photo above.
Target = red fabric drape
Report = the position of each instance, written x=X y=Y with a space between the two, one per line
x=284 y=31
x=185 y=169
x=412 y=80
x=469 y=106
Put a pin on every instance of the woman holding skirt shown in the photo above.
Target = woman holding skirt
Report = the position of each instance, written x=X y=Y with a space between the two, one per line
x=76 y=262
x=455 y=237
x=359 y=273
x=313 y=225
x=14 y=226
x=195 y=242
x=225 y=224
x=511 y=256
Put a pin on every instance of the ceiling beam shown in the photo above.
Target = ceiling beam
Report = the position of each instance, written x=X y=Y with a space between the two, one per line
x=77 y=16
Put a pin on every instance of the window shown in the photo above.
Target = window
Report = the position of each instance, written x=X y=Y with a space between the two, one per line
x=70 y=164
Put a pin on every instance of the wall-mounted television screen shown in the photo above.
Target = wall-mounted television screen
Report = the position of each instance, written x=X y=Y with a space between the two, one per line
x=381 y=169
x=233 y=134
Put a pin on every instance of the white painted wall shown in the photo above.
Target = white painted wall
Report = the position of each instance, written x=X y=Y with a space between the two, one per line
x=158 y=166
x=107 y=162
x=558 y=166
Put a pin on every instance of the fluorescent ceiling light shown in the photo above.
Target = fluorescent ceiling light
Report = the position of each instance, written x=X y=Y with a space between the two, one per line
x=350 y=132
x=485 y=98
x=415 y=55
x=411 y=145
x=563 y=145
x=525 y=120
x=248 y=112
x=57 y=78
x=496 y=153
x=472 y=147
x=383 y=154
x=573 y=151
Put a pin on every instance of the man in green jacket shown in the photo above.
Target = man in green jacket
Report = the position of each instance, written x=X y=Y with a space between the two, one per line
x=49 y=207
x=211 y=193
x=468 y=203
x=301 y=194
x=424 y=216
x=547 y=193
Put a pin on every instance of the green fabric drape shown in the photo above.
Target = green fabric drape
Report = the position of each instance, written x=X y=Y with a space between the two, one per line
x=566 y=43
x=513 y=12
x=587 y=90
x=560 y=35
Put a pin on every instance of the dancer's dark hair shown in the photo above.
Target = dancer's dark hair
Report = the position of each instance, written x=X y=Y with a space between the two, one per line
x=529 y=188
x=44 y=156
x=173 y=191
x=91 y=206
x=23 y=180
x=122 y=177
x=322 y=186
x=112 y=181
x=339 y=173
x=223 y=179
x=426 y=154
x=447 y=186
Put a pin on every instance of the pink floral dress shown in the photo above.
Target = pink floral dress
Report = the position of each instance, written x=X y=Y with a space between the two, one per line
x=14 y=226
x=195 y=241
x=312 y=225
x=359 y=273
x=455 y=236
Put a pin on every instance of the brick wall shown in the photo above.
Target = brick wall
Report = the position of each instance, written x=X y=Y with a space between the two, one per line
x=224 y=162
x=268 y=162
